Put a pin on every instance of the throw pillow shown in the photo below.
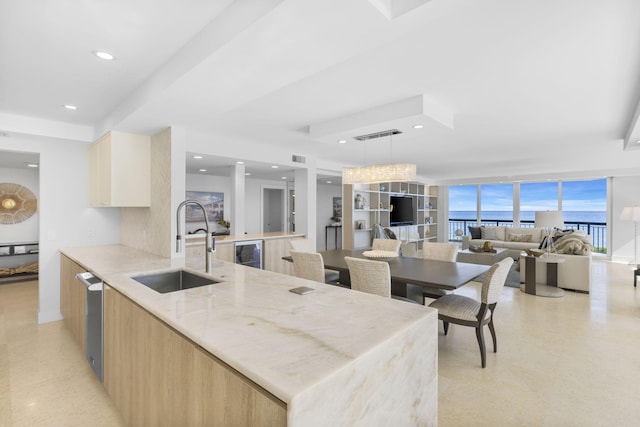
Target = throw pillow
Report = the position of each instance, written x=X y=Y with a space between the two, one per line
x=489 y=233
x=476 y=232
x=520 y=238
x=390 y=234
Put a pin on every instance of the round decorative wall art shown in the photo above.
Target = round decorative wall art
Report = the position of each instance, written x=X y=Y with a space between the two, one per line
x=17 y=203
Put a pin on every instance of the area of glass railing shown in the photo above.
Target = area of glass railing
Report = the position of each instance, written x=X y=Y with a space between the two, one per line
x=597 y=230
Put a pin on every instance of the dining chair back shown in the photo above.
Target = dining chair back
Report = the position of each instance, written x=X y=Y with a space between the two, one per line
x=373 y=277
x=308 y=265
x=466 y=311
x=440 y=251
x=302 y=245
x=386 y=245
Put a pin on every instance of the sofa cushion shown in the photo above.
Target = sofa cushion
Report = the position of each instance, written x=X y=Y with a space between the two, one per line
x=475 y=232
x=491 y=232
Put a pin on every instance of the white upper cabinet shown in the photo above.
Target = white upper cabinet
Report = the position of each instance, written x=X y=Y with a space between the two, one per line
x=120 y=171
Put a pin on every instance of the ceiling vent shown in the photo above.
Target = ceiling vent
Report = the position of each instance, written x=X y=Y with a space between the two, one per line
x=377 y=134
x=298 y=159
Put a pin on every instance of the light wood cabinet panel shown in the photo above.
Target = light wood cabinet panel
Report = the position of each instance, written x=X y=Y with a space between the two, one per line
x=274 y=250
x=73 y=299
x=224 y=251
x=120 y=170
x=157 y=377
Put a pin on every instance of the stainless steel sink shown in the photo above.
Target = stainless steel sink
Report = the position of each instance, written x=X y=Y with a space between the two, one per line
x=172 y=281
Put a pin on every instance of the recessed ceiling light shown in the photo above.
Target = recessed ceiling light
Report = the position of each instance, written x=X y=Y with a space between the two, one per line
x=104 y=55
x=197 y=157
x=342 y=141
x=284 y=177
x=328 y=182
x=70 y=107
x=274 y=166
x=32 y=165
x=418 y=126
x=203 y=170
x=638 y=141
x=247 y=174
x=240 y=162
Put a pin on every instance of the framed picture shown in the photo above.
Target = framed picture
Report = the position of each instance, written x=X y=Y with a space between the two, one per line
x=213 y=204
x=337 y=207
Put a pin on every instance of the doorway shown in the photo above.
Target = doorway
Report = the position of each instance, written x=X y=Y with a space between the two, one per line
x=20 y=222
x=273 y=210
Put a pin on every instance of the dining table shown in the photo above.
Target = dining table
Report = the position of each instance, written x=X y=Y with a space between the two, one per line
x=410 y=276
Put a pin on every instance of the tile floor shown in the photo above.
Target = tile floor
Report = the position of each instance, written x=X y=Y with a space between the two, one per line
x=572 y=361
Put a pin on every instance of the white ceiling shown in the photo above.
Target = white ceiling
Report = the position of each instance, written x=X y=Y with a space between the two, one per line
x=527 y=89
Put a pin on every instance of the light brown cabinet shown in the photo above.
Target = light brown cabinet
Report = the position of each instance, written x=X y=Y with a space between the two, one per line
x=274 y=250
x=120 y=171
x=73 y=299
x=157 y=377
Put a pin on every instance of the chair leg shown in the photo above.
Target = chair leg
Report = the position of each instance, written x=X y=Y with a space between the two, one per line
x=483 y=351
x=493 y=335
x=445 y=325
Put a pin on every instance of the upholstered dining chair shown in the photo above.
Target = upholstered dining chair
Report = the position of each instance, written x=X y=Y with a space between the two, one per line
x=466 y=311
x=306 y=245
x=302 y=245
x=368 y=276
x=373 y=277
x=308 y=265
x=440 y=251
x=386 y=245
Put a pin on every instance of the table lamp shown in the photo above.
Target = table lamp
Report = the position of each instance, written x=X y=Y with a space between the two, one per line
x=549 y=220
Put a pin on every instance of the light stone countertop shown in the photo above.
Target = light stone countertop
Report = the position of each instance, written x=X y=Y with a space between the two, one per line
x=253 y=236
x=297 y=347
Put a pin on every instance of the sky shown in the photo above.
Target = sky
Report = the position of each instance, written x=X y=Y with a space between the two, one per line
x=534 y=196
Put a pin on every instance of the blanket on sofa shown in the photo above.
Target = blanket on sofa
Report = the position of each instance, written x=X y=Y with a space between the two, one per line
x=573 y=242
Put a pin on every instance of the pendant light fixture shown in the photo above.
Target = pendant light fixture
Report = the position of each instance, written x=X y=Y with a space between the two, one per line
x=388 y=172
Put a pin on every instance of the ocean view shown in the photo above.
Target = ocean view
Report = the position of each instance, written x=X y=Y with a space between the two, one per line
x=569 y=216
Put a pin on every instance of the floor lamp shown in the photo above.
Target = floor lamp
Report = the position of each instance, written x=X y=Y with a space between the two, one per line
x=549 y=220
x=632 y=213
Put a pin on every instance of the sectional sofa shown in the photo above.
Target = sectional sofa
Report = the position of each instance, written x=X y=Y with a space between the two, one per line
x=504 y=237
x=574 y=272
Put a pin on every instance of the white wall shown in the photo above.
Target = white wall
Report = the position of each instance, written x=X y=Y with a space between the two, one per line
x=325 y=195
x=65 y=219
x=625 y=192
x=27 y=230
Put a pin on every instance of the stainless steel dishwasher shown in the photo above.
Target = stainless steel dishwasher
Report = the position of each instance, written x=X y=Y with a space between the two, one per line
x=93 y=318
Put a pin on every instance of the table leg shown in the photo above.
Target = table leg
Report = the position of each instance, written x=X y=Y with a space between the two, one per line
x=552 y=274
x=530 y=275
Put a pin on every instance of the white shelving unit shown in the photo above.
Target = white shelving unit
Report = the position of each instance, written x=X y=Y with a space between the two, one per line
x=357 y=223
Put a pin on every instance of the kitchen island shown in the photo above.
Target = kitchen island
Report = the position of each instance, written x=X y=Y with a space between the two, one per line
x=334 y=357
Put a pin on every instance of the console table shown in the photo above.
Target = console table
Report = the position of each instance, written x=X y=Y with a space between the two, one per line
x=18 y=261
x=550 y=289
x=336 y=228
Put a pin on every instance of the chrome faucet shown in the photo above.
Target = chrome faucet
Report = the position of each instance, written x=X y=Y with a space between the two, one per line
x=207 y=240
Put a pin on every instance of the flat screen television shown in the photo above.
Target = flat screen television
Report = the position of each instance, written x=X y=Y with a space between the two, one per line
x=402 y=213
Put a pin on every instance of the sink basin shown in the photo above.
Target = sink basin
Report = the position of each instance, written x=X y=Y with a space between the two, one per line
x=172 y=281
